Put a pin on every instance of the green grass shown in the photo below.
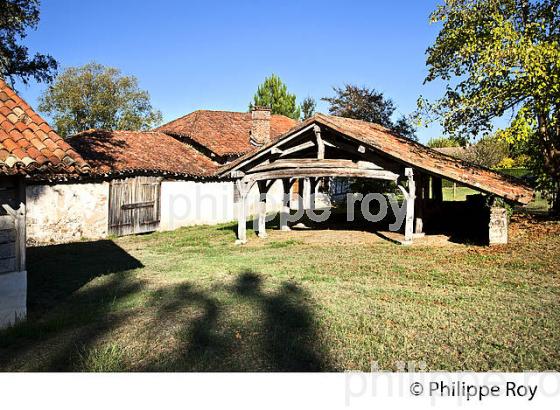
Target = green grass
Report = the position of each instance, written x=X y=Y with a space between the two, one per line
x=460 y=193
x=191 y=300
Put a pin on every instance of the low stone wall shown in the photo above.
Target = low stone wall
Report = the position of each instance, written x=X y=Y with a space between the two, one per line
x=66 y=212
x=13 y=298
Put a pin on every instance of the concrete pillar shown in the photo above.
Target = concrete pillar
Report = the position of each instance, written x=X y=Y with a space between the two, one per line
x=498 y=226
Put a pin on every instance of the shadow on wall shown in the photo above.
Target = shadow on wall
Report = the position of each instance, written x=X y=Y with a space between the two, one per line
x=55 y=272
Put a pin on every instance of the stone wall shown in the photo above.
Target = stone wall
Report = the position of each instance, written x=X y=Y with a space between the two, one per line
x=66 y=212
x=71 y=212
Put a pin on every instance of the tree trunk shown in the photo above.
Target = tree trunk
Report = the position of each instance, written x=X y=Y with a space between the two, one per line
x=556 y=203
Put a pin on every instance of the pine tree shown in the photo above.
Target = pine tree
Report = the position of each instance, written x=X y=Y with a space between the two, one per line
x=274 y=94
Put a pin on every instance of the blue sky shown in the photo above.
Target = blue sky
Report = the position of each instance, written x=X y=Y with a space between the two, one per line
x=212 y=54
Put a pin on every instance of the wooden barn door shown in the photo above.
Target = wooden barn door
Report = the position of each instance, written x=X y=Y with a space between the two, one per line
x=134 y=205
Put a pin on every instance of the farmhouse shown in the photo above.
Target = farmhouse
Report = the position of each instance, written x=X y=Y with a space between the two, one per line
x=154 y=180
x=29 y=148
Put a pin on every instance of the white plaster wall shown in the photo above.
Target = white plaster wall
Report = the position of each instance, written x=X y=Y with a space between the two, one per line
x=66 y=212
x=13 y=298
x=186 y=203
x=273 y=198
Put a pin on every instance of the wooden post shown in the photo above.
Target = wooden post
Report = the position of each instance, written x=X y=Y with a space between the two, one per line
x=18 y=216
x=285 y=213
x=262 y=209
x=320 y=142
x=314 y=183
x=243 y=189
x=20 y=237
x=409 y=221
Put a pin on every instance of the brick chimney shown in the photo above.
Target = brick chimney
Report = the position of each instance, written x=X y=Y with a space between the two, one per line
x=260 y=126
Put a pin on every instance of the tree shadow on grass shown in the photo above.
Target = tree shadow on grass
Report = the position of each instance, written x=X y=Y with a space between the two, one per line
x=55 y=272
x=65 y=318
x=276 y=331
x=290 y=332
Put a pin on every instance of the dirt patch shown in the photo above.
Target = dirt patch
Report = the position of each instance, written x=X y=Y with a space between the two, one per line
x=522 y=226
x=347 y=237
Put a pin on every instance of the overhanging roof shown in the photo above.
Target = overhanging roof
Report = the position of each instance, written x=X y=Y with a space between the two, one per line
x=404 y=151
x=28 y=145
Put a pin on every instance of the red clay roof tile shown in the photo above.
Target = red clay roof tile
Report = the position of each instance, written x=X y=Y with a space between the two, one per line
x=27 y=141
x=223 y=133
x=137 y=151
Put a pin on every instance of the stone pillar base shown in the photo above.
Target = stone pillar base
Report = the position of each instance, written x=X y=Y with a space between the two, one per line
x=498 y=226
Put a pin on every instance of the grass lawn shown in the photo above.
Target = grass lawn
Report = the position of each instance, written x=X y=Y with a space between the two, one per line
x=313 y=300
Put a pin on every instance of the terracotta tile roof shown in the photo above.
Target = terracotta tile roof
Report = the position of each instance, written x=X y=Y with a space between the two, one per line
x=457 y=152
x=411 y=153
x=129 y=152
x=224 y=133
x=28 y=145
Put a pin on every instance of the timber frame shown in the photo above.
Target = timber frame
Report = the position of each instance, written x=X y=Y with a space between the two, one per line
x=303 y=156
x=327 y=146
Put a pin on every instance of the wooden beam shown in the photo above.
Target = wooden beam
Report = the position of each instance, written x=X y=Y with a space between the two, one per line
x=323 y=172
x=320 y=143
x=276 y=145
x=297 y=148
x=314 y=163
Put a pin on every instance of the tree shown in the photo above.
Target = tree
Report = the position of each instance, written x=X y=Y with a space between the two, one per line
x=442 y=143
x=366 y=104
x=488 y=152
x=16 y=17
x=97 y=97
x=274 y=93
x=308 y=108
x=501 y=60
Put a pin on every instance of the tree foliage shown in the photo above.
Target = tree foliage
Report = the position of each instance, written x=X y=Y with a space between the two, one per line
x=367 y=104
x=501 y=59
x=97 y=97
x=273 y=93
x=308 y=108
x=488 y=152
x=16 y=17
x=442 y=142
